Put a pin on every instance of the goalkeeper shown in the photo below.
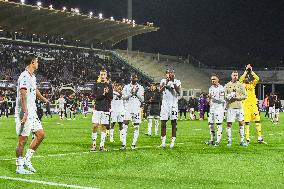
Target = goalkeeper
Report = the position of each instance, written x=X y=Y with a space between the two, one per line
x=251 y=113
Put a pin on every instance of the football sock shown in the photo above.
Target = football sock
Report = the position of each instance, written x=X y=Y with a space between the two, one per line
x=212 y=132
x=103 y=138
x=229 y=133
x=258 y=129
x=247 y=131
x=242 y=133
x=29 y=154
x=219 y=132
x=94 y=137
x=136 y=134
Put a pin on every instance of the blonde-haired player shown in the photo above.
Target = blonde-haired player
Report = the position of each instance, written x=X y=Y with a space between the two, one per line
x=251 y=113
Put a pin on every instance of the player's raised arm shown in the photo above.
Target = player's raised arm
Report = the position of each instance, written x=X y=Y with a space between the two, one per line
x=256 y=78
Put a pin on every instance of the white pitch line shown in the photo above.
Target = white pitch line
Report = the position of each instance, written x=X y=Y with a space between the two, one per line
x=79 y=153
x=46 y=183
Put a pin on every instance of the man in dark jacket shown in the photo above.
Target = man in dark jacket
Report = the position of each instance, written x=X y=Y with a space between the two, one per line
x=192 y=107
x=103 y=94
x=153 y=100
x=182 y=107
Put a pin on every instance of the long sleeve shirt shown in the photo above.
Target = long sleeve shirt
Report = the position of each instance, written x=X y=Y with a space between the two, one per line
x=235 y=93
x=103 y=101
x=250 y=88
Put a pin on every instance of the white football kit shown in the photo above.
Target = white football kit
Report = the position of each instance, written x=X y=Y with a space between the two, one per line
x=117 y=108
x=169 y=108
x=217 y=101
x=132 y=103
x=27 y=81
x=61 y=102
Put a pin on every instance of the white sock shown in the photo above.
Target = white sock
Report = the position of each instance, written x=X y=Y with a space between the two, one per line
x=124 y=134
x=136 y=134
x=242 y=133
x=111 y=131
x=212 y=132
x=20 y=163
x=29 y=154
x=94 y=137
x=164 y=139
x=149 y=125
x=156 y=125
x=173 y=139
x=219 y=132
x=229 y=133
x=103 y=138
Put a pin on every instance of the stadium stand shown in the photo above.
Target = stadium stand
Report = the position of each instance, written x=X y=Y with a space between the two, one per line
x=64 y=66
x=155 y=65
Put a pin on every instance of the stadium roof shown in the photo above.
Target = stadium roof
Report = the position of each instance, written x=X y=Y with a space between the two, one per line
x=45 y=21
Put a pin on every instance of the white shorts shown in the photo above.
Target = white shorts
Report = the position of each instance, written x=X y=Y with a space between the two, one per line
x=116 y=117
x=169 y=112
x=216 y=117
x=235 y=114
x=32 y=124
x=100 y=117
x=61 y=109
x=277 y=111
x=271 y=110
x=134 y=117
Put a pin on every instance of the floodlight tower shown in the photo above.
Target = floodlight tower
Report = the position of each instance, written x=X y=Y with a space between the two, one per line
x=129 y=16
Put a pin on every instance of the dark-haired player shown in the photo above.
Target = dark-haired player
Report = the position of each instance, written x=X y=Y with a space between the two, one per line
x=170 y=88
x=26 y=117
x=133 y=96
x=153 y=100
x=103 y=95
x=216 y=113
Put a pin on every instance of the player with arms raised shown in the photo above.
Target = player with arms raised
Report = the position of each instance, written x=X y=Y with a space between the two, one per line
x=250 y=80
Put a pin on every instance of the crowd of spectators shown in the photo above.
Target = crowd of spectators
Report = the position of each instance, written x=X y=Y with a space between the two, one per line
x=65 y=66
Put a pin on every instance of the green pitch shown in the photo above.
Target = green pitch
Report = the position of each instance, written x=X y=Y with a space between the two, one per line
x=65 y=158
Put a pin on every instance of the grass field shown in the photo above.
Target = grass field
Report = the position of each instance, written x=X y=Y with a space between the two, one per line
x=64 y=158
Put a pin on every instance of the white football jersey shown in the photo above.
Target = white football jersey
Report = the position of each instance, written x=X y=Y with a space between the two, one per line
x=26 y=81
x=117 y=103
x=132 y=103
x=217 y=99
x=61 y=102
x=170 y=96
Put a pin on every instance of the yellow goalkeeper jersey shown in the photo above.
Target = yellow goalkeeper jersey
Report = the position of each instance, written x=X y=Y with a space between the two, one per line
x=250 y=88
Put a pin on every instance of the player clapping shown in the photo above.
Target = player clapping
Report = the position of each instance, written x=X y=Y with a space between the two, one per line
x=133 y=96
x=170 y=88
x=216 y=114
x=117 y=110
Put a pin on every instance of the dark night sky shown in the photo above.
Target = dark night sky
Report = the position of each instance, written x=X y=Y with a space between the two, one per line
x=194 y=26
